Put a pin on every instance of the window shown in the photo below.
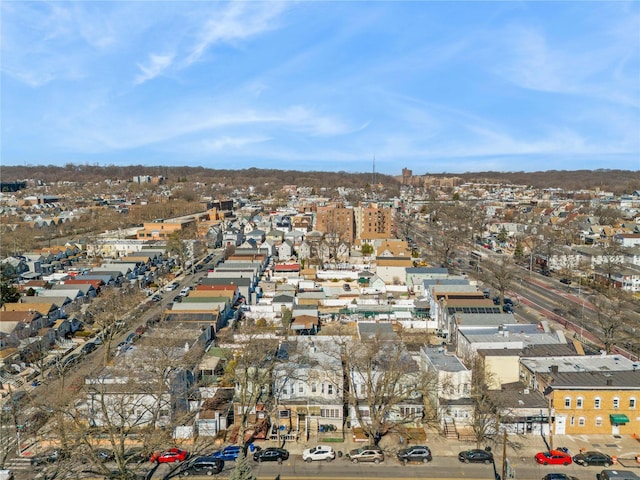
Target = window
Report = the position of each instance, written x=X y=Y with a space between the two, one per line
x=285 y=390
x=330 y=389
x=301 y=388
x=314 y=387
x=579 y=402
x=363 y=389
x=596 y=402
x=284 y=413
x=581 y=422
x=572 y=421
x=411 y=411
x=616 y=402
x=322 y=388
x=567 y=402
x=330 y=412
x=598 y=421
x=632 y=402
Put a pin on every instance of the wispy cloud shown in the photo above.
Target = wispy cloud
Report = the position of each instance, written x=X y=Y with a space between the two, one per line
x=226 y=143
x=155 y=66
x=577 y=67
x=237 y=21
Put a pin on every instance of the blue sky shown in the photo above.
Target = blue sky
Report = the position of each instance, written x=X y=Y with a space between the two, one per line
x=431 y=86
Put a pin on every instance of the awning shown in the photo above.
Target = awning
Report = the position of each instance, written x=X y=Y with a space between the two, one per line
x=618 y=418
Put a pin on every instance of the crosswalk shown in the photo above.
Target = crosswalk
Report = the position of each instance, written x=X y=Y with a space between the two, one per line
x=18 y=463
x=8 y=445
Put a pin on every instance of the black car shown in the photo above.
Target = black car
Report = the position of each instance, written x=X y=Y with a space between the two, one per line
x=88 y=347
x=558 y=476
x=416 y=453
x=51 y=456
x=202 y=466
x=271 y=454
x=566 y=281
x=475 y=456
x=593 y=458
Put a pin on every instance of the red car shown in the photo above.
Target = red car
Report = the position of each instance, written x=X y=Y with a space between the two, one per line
x=553 y=457
x=170 y=456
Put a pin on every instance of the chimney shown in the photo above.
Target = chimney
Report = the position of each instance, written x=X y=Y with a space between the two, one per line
x=554 y=368
x=609 y=382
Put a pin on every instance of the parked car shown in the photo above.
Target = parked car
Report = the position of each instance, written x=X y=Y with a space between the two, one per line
x=177 y=299
x=587 y=459
x=140 y=329
x=156 y=297
x=88 y=347
x=227 y=454
x=553 y=457
x=505 y=301
x=202 y=466
x=566 y=281
x=50 y=456
x=271 y=454
x=558 y=476
x=171 y=287
x=170 y=456
x=475 y=455
x=319 y=452
x=370 y=453
x=617 y=475
x=6 y=474
x=416 y=453
x=71 y=360
x=132 y=337
x=16 y=396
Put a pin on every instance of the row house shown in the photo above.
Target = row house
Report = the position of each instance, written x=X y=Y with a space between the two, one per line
x=625 y=277
x=450 y=394
x=308 y=389
x=593 y=402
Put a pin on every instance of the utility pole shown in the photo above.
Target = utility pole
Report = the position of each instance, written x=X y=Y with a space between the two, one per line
x=504 y=454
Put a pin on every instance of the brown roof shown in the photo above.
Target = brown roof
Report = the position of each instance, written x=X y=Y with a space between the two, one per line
x=42 y=308
x=19 y=316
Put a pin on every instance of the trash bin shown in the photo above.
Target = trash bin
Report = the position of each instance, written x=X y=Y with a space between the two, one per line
x=339 y=453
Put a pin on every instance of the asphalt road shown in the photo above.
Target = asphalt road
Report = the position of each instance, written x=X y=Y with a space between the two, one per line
x=439 y=468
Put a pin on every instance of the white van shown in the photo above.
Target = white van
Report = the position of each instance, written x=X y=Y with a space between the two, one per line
x=617 y=475
x=185 y=291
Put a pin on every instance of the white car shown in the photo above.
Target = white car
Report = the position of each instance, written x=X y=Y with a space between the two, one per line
x=319 y=452
x=171 y=286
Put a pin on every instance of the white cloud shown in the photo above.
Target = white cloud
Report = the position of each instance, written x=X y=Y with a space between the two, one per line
x=230 y=142
x=155 y=66
x=238 y=21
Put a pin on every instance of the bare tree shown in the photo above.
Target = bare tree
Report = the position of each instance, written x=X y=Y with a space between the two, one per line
x=500 y=273
x=483 y=421
x=250 y=372
x=611 y=307
x=110 y=312
x=384 y=386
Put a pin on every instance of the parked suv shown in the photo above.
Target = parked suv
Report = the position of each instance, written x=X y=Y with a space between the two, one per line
x=416 y=453
x=228 y=454
x=370 y=453
x=203 y=466
x=319 y=452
